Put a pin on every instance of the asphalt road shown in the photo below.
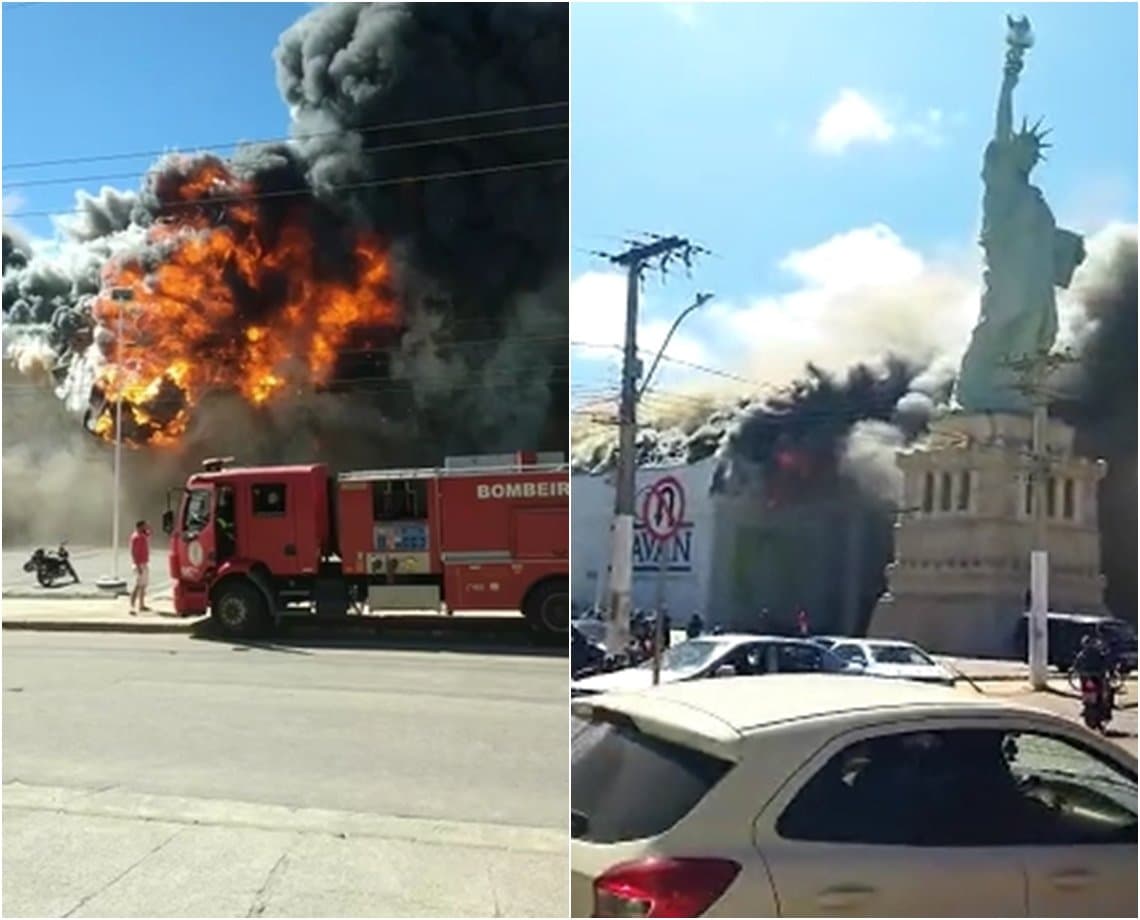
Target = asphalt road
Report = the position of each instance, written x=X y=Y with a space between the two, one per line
x=168 y=776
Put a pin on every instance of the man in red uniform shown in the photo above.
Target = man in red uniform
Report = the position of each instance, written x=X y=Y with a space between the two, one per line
x=140 y=556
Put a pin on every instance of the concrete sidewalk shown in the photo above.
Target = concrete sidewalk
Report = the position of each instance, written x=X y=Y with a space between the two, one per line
x=92 y=615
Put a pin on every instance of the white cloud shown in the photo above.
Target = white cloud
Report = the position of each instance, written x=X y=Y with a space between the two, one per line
x=851 y=119
x=854 y=119
x=685 y=13
x=862 y=294
x=13 y=201
x=930 y=129
x=858 y=258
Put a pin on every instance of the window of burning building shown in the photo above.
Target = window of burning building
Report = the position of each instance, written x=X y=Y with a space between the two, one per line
x=1051 y=497
x=399 y=500
x=947 y=492
x=269 y=499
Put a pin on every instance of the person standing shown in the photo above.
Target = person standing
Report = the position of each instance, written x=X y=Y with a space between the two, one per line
x=802 y=623
x=140 y=557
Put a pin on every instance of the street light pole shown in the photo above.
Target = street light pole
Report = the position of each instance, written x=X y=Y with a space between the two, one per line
x=115 y=582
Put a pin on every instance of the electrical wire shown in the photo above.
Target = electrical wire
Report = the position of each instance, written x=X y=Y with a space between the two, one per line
x=714 y=371
x=390 y=126
x=455 y=139
x=284 y=193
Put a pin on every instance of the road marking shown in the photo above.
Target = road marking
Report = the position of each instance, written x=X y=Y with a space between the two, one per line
x=134 y=806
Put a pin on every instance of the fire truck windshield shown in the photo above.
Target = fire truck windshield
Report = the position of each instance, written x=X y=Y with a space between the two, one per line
x=196 y=513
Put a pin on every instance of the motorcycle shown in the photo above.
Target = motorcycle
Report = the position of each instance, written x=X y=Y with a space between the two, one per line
x=1097 y=699
x=51 y=567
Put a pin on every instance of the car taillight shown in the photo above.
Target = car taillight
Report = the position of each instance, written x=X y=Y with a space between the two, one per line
x=662 y=887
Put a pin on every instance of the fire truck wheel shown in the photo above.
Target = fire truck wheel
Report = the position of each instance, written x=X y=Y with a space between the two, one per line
x=548 y=609
x=239 y=609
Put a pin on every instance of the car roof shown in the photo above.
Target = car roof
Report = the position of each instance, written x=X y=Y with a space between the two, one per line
x=883 y=643
x=745 y=704
x=741 y=638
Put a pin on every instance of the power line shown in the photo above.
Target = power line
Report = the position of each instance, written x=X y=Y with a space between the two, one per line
x=283 y=193
x=717 y=372
x=454 y=139
x=390 y=126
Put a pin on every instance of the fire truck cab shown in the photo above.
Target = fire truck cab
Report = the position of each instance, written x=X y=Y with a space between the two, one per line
x=252 y=545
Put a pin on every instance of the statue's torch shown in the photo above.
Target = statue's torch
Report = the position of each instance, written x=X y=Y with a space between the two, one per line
x=1019 y=38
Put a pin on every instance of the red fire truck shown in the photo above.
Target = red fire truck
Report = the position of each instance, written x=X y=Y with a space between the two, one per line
x=255 y=544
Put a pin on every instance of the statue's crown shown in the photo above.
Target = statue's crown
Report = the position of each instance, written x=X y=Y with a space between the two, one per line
x=1034 y=134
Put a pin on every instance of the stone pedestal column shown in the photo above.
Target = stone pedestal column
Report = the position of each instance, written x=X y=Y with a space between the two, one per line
x=960 y=576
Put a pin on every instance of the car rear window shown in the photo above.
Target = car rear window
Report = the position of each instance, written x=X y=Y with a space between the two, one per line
x=627 y=785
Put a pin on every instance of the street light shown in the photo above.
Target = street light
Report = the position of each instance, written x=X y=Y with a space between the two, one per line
x=114 y=582
x=701 y=300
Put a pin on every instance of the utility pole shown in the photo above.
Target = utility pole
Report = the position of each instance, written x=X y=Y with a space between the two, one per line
x=1033 y=371
x=660 y=251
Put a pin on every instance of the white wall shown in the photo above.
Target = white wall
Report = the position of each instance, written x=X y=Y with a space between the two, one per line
x=689 y=553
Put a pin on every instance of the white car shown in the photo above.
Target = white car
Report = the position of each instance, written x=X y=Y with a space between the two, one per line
x=803 y=795
x=725 y=655
x=892 y=658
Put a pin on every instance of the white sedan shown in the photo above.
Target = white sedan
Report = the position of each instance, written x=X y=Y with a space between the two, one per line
x=730 y=654
x=803 y=795
x=892 y=658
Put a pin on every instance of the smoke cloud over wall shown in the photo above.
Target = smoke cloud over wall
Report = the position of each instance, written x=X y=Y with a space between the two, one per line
x=390 y=286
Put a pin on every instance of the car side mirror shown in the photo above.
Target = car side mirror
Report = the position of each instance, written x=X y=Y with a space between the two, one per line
x=725 y=670
x=168 y=522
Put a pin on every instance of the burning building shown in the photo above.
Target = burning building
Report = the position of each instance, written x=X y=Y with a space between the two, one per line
x=364 y=293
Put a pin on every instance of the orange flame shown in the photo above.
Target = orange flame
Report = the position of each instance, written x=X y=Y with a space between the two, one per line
x=189 y=328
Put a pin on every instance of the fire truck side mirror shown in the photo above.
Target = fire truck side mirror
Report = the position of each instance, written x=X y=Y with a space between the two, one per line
x=168 y=522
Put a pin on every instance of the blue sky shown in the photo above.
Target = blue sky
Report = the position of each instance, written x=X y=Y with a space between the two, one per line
x=817 y=149
x=86 y=80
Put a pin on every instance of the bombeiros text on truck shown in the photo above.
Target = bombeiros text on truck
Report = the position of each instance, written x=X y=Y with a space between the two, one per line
x=253 y=545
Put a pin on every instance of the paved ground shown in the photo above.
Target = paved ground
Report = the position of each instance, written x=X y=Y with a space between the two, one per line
x=91 y=563
x=174 y=776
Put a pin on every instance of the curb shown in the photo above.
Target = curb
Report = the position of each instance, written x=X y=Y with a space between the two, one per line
x=108 y=626
x=48 y=595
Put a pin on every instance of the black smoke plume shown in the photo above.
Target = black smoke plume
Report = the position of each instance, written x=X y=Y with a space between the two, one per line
x=470 y=202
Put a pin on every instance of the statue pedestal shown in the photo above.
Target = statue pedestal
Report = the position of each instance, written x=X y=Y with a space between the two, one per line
x=959 y=581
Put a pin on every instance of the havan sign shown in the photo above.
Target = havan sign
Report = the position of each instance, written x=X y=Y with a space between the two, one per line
x=661 y=528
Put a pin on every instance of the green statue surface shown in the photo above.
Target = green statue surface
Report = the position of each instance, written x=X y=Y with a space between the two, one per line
x=1026 y=255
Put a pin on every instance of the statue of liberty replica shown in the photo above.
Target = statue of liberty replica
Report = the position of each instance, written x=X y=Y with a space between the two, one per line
x=995 y=492
x=1026 y=255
